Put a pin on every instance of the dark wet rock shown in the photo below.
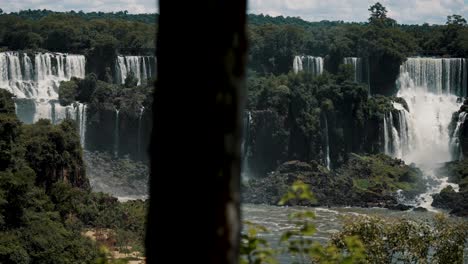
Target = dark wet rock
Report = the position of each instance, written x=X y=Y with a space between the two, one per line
x=448 y=198
x=365 y=181
x=399 y=207
x=420 y=209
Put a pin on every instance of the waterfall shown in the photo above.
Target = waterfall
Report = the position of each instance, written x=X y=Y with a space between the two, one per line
x=404 y=136
x=430 y=87
x=437 y=75
x=457 y=153
x=142 y=66
x=327 y=143
x=83 y=125
x=142 y=109
x=309 y=64
x=116 y=133
x=34 y=80
x=297 y=64
x=38 y=77
x=386 y=138
x=357 y=66
x=396 y=133
x=245 y=146
x=396 y=143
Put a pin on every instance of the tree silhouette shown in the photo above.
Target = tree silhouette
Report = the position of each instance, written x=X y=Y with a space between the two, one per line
x=379 y=16
x=196 y=136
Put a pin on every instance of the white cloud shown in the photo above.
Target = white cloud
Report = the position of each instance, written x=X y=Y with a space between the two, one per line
x=404 y=11
x=132 y=6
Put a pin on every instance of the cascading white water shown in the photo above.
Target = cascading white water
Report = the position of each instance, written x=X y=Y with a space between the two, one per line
x=142 y=66
x=396 y=133
x=327 y=143
x=83 y=120
x=438 y=75
x=34 y=80
x=457 y=153
x=309 y=64
x=386 y=138
x=39 y=79
x=422 y=137
x=357 y=66
x=396 y=143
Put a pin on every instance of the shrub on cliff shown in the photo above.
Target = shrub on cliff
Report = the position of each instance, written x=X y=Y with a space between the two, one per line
x=67 y=92
x=383 y=174
x=54 y=153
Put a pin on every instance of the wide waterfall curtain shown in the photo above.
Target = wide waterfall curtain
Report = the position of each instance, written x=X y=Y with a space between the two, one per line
x=194 y=197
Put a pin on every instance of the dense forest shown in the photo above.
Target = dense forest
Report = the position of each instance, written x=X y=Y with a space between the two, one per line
x=45 y=198
x=124 y=15
x=275 y=41
x=98 y=35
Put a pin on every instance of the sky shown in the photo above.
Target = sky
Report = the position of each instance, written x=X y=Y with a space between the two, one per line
x=404 y=11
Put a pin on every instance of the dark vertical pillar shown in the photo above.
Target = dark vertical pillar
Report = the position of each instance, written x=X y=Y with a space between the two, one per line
x=195 y=179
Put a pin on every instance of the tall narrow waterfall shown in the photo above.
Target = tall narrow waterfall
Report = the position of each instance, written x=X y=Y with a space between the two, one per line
x=144 y=67
x=34 y=80
x=421 y=136
x=357 y=66
x=457 y=153
x=116 y=133
x=327 y=142
x=396 y=133
x=83 y=125
x=309 y=64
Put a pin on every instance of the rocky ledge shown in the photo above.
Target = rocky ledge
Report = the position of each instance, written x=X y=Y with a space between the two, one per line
x=364 y=181
x=448 y=198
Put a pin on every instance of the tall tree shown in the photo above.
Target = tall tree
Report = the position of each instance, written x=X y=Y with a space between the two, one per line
x=379 y=16
x=196 y=140
x=456 y=20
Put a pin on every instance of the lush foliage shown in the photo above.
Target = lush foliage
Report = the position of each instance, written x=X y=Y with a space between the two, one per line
x=123 y=15
x=67 y=32
x=45 y=201
x=32 y=157
x=290 y=112
x=381 y=173
x=407 y=241
x=366 y=181
x=381 y=43
x=129 y=97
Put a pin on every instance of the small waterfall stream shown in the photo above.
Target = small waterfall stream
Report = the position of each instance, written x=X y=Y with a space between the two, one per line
x=309 y=64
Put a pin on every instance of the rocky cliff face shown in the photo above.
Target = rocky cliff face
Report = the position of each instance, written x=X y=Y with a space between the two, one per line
x=126 y=133
x=367 y=181
x=274 y=137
